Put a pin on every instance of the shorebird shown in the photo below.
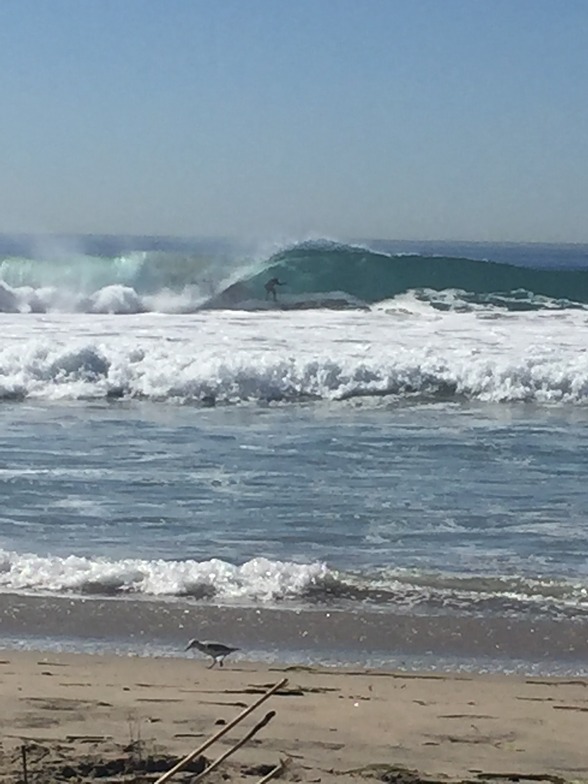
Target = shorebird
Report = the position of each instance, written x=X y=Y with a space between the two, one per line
x=216 y=650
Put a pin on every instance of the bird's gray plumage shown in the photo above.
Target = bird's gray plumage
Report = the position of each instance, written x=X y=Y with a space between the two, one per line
x=216 y=650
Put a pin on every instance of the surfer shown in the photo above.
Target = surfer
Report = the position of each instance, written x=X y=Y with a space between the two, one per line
x=270 y=288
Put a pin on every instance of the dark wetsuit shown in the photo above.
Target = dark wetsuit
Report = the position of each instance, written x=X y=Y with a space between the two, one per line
x=270 y=288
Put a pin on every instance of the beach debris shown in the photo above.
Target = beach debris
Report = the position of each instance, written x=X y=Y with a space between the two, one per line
x=391 y=774
x=259 y=688
x=550 y=777
x=216 y=650
x=295 y=691
x=23 y=751
x=93 y=767
x=276 y=771
x=235 y=747
x=267 y=772
x=570 y=707
x=222 y=731
x=262 y=769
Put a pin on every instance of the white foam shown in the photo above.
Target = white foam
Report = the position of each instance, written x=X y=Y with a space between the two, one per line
x=257 y=580
x=116 y=299
x=237 y=357
x=265 y=581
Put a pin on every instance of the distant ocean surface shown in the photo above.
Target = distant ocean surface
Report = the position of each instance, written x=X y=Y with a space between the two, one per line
x=385 y=466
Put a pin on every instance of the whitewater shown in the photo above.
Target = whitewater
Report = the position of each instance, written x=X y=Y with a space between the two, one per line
x=401 y=435
x=401 y=349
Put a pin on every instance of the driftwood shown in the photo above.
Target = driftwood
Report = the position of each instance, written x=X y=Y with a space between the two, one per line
x=266 y=719
x=223 y=731
x=23 y=752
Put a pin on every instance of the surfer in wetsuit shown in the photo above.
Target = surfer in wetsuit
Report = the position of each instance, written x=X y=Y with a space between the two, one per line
x=270 y=288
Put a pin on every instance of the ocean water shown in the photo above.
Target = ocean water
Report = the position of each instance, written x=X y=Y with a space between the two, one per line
x=385 y=467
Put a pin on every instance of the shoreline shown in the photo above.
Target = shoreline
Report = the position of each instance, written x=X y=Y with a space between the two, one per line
x=334 y=725
x=321 y=635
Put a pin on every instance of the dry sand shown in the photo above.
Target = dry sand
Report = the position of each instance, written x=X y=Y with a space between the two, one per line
x=95 y=717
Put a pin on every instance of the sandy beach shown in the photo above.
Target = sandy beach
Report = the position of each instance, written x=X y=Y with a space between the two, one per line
x=85 y=717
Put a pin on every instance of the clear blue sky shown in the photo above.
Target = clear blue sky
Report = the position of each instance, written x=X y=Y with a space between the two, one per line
x=439 y=119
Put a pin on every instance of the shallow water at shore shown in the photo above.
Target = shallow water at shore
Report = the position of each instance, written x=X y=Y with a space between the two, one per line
x=308 y=637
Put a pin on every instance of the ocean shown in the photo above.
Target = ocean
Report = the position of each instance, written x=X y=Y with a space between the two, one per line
x=385 y=467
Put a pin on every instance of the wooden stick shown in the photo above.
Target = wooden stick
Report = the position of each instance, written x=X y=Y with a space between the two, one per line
x=193 y=754
x=282 y=764
x=266 y=719
x=23 y=751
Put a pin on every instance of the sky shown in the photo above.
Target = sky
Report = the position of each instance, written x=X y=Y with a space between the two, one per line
x=392 y=119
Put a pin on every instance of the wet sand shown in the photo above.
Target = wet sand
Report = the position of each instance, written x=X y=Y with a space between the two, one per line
x=87 y=716
x=310 y=635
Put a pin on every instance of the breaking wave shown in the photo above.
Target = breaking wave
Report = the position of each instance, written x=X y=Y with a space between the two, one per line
x=317 y=274
x=366 y=276
x=263 y=581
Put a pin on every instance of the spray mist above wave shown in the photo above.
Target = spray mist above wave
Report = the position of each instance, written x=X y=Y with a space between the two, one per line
x=134 y=282
x=317 y=273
